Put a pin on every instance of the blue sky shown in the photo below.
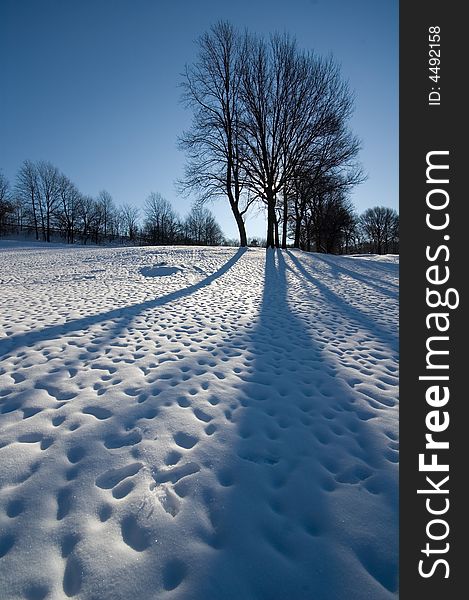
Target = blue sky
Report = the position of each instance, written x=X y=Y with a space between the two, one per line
x=92 y=86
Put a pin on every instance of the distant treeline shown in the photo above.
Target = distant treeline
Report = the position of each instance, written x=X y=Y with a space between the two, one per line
x=44 y=204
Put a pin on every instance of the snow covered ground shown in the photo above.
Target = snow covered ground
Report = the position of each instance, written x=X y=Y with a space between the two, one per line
x=197 y=424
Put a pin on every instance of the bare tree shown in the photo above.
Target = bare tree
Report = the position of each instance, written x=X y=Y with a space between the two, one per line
x=335 y=162
x=266 y=115
x=213 y=235
x=212 y=89
x=87 y=209
x=201 y=227
x=70 y=207
x=115 y=224
x=48 y=177
x=161 y=221
x=130 y=216
x=380 y=225
x=350 y=232
x=4 y=188
x=338 y=214
x=20 y=213
x=107 y=208
x=6 y=204
x=316 y=200
x=27 y=189
x=294 y=103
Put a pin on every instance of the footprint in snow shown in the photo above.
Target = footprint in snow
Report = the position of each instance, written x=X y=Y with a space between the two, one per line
x=134 y=535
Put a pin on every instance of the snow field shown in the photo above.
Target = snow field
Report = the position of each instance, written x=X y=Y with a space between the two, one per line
x=195 y=423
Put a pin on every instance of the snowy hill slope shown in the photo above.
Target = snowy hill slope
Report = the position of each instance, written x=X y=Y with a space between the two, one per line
x=195 y=423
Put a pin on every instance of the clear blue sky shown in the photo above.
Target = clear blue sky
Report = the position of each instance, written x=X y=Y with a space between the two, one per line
x=92 y=86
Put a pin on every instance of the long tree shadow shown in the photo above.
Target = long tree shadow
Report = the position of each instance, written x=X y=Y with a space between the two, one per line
x=369 y=279
x=307 y=507
x=385 y=335
x=124 y=315
x=372 y=265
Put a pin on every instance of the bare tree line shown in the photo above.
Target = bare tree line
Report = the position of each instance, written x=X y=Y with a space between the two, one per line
x=270 y=126
x=162 y=224
x=46 y=203
x=329 y=221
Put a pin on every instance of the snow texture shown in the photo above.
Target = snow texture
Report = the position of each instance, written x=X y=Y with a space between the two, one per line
x=200 y=424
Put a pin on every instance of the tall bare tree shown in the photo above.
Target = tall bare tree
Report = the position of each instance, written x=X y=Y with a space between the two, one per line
x=294 y=103
x=212 y=89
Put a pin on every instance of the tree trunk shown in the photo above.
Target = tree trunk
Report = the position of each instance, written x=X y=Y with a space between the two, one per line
x=277 y=240
x=43 y=226
x=318 y=240
x=308 y=235
x=300 y=217
x=36 y=228
x=243 y=240
x=296 y=243
x=270 y=221
x=285 y=222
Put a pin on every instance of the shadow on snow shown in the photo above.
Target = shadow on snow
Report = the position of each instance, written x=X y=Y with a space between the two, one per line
x=384 y=335
x=312 y=509
x=123 y=314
